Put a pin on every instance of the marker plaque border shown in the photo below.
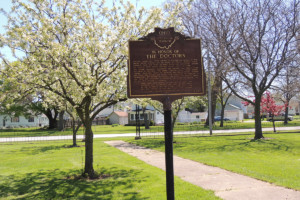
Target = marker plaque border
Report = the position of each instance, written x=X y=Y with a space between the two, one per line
x=154 y=54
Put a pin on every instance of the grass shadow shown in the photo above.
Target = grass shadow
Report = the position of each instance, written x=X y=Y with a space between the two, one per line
x=33 y=150
x=56 y=184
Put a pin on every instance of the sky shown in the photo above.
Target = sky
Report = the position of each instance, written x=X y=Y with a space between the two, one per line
x=6 y=5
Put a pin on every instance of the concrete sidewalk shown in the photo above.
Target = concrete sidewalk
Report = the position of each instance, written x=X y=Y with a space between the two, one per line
x=225 y=184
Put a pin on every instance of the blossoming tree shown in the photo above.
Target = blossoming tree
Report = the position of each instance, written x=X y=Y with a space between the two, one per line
x=76 y=50
x=268 y=105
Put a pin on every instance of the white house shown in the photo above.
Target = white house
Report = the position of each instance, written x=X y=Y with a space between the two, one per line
x=188 y=116
x=118 y=117
x=233 y=113
x=152 y=115
x=18 y=122
x=294 y=107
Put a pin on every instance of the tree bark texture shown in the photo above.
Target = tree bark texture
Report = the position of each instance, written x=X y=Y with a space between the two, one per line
x=51 y=118
x=84 y=114
x=258 y=127
x=214 y=95
x=60 y=126
x=222 y=115
x=286 y=114
x=75 y=130
x=88 y=168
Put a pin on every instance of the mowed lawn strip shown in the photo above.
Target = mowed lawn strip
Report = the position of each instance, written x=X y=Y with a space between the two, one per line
x=49 y=170
x=120 y=129
x=275 y=159
x=33 y=132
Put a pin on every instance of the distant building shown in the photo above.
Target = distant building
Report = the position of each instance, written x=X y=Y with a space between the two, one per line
x=233 y=113
x=19 y=122
x=152 y=115
x=234 y=109
x=294 y=107
x=118 y=117
x=189 y=116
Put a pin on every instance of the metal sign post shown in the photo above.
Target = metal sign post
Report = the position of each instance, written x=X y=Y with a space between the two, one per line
x=137 y=122
x=169 y=149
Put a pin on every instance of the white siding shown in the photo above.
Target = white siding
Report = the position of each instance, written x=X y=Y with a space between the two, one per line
x=235 y=115
x=23 y=122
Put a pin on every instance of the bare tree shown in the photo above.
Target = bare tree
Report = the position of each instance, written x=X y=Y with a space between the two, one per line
x=250 y=40
x=198 y=22
x=223 y=97
x=287 y=85
x=258 y=37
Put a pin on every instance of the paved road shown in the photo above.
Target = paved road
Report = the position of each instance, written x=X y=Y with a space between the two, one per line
x=225 y=184
x=69 y=137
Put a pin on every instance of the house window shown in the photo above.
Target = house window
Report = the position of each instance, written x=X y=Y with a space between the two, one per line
x=151 y=116
x=132 y=116
x=31 y=119
x=197 y=117
x=15 y=119
x=141 y=117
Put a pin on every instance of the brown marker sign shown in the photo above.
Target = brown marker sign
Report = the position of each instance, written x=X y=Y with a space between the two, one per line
x=165 y=63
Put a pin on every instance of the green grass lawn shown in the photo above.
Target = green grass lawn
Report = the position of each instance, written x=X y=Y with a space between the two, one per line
x=31 y=132
x=275 y=159
x=48 y=170
x=109 y=129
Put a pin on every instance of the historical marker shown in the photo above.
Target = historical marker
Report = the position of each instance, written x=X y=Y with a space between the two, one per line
x=165 y=63
x=165 y=66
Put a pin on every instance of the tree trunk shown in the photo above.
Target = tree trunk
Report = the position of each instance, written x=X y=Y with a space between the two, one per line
x=222 y=115
x=176 y=111
x=214 y=95
x=74 y=133
x=286 y=114
x=52 y=123
x=60 y=126
x=84 y=114
x=258 y=128
x=51 y=118
x=75 y=130
x=88 y=168
x=274 y=129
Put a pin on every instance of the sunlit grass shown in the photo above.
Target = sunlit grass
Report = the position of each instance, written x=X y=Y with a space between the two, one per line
x=275 y=159
x=43 y=170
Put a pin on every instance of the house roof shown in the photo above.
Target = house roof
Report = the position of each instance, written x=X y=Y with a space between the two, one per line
x=235 y=107
x=148 y=107
x=199 y=113
x=121 y=113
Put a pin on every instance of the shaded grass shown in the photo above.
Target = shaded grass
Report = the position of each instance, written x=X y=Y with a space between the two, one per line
x=40 y=170
x=275 y=159
x=33 y=132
